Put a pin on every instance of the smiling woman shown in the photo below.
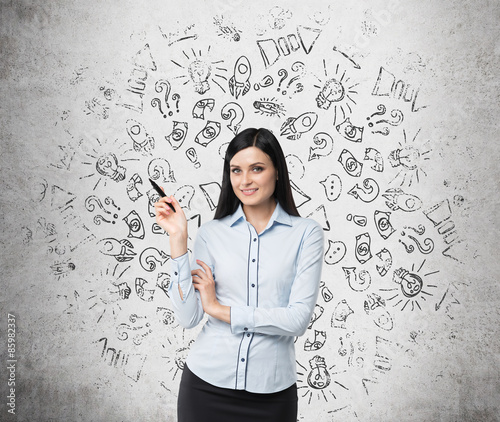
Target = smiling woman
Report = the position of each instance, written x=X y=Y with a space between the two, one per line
x=256 y=271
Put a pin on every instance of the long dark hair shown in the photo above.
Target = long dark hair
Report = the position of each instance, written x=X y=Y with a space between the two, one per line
x=267 y=143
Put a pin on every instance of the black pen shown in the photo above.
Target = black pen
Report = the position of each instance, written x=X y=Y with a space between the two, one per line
x=161 y=193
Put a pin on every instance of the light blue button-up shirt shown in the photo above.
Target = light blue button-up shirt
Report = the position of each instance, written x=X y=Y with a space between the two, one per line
x=271 y=282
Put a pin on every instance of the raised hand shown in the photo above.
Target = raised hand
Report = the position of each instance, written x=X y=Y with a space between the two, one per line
x=174 y=223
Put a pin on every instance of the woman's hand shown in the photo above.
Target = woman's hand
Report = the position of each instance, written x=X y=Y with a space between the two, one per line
x=203 y=281
x=174 y=223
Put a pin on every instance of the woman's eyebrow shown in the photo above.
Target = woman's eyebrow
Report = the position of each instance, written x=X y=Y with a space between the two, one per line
x=251 y=165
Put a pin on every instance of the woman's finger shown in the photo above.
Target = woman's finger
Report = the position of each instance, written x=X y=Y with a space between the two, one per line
x=205 y=267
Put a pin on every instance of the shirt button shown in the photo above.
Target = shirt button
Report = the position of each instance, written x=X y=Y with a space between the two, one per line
x=255 y=239
x=253 y=285
x=246 y=329
x=253 y=260
x=175 y=273
x=248 y=335
x=243 y=359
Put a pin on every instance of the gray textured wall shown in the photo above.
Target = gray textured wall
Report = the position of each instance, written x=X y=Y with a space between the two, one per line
x=400 y=168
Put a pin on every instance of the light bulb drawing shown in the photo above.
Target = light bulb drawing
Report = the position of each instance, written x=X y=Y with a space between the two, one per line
x=410 y=159
x=412 y=287
x=106 y=165
x=175 y=360
x=104 y=300
x=200 y=71
x=319 y=380
x=336 y=90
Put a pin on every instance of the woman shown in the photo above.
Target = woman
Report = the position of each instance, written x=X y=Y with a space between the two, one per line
x=256 y=275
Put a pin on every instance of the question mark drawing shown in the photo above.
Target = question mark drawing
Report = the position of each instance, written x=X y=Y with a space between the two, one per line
x=160 y=171
x=159 y=87
x=297 y=67
x=235 y=114
x=151 y=257
x=324 y=147
x=284 y=74
x=90 y=204
x=176 y=97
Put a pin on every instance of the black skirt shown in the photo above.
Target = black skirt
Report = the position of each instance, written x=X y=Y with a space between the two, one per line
x=200 y=401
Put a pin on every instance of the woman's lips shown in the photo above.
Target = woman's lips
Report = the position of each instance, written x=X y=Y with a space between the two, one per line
x=248 y=192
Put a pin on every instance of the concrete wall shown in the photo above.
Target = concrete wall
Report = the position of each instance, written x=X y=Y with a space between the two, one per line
x=396 y=108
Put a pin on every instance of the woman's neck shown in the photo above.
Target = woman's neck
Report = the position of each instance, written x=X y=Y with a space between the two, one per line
x=259 y=215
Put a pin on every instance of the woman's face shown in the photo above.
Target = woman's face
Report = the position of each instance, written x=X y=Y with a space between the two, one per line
x=253 y=177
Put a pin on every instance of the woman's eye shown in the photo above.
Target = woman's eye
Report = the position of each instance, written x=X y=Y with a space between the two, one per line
x=257 y=169
x=235 y=171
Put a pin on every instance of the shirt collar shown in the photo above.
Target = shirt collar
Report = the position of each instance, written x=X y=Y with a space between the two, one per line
x=279 y=216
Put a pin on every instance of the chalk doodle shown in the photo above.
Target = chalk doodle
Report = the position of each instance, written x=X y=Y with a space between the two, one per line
x=399 y=200
x=211 y=191
x=427 y=245
x=226 y=29
x=142 y=292
x=363 y=247
x=333 y=187
x=324 y=146
x=121 y=250
x=131 y=363
x=208 y=133
x=304 y=37
x=160 y=171
x=235 y=114
x=410 y=159
x=396 y=120
x=201 y=71
x=411 y=287
x=318 y=378
x=92 y=201
x=368 y=192
x=269 y=107
x=106 y=165
x=141 y=329
x=356 y=157
x=294 y=127
x=239 y=83
x=132 y=191
x=352 y=166
x=336 y=91
x=135 y=225
x=387 y=86
x=358 y=282
x=440 y=215
x=151 y=258
x=108 y=299
x=202 y=105
x=340 y=314
x=349 y=131
x=374 y=155
x=178 y=135
x=335 y=252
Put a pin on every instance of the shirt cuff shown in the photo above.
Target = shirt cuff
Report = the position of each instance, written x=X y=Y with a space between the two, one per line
x=242 y=319
x=181 y=274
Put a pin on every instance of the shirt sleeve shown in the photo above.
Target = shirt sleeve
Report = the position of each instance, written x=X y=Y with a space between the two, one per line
x=293 y=319
x=188 y=309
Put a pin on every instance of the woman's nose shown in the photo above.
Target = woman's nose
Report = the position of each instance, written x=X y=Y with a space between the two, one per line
x=246 y=179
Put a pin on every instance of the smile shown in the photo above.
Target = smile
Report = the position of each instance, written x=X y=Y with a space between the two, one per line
x=248 y=192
